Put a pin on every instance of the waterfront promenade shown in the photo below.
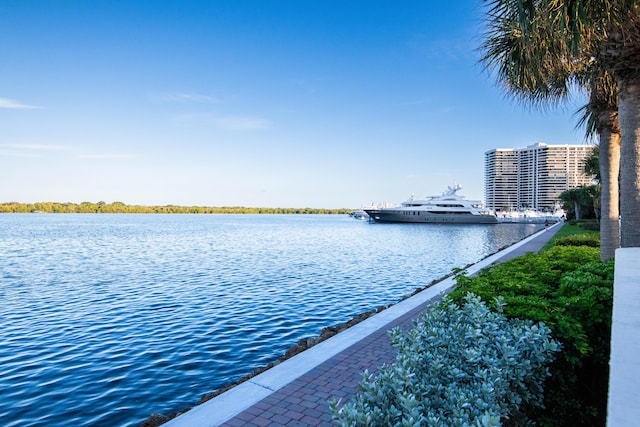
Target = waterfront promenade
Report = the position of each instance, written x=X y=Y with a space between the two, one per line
x=296 y=392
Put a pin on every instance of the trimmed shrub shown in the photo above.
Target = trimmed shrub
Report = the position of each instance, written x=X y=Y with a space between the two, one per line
x=592 y=240
x=464 y=365
x=591 y=225
x=571 y=291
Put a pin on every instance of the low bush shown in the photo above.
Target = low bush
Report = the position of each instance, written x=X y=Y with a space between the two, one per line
x=565 y=231
x=570 y=290
x=587 y=224
x=591 y=225
x=592 y=240
x=462 y=365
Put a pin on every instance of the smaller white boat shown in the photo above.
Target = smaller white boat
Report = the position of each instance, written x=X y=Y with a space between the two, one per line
x=360 y=215
x=531 y=216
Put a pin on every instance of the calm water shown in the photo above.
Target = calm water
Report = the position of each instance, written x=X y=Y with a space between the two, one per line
x=108 y=318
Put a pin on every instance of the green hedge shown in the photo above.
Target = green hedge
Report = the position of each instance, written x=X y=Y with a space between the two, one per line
x=592 y=240
x=587 y=224
x=571 y=291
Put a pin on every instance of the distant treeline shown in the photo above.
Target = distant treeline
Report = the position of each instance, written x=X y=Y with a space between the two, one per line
x=119 y=207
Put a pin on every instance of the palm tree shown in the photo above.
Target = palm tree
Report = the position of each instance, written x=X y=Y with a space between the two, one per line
x=572 y=199
x=614 y=26
x=539 y=62
x=591 y=164
x=601 y=121
x=580 y=202
x=592 y=168
x=620 y=52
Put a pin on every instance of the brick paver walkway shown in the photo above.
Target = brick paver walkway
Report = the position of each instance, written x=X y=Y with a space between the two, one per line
x=304 y=401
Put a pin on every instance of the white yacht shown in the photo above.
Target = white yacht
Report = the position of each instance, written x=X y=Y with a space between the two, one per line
x=447 y=208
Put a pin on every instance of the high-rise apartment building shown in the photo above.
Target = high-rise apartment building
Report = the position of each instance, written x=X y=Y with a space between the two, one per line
x=533 y=177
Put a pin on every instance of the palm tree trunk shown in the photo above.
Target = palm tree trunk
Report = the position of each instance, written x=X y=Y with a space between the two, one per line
x=629 y=118
x=609 y=180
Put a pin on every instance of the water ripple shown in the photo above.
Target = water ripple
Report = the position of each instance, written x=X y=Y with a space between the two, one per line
x=108 y=318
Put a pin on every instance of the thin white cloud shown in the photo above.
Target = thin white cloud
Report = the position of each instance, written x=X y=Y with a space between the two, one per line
x=29 y=150
x=412 y=103
x=241 y=123
x=15 y=105
x=231 y=123
x=35 y=147
x=444 y=50
x=105 y=156
x=9 y=152
x=189 y=97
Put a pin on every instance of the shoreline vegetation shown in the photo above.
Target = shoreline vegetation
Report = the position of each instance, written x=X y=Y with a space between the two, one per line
x=119 y=207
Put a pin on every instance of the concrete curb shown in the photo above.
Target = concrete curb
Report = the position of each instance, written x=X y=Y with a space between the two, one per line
x=623 y=406
x=232 y=402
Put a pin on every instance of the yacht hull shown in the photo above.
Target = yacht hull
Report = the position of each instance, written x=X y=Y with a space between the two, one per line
x=422 y=217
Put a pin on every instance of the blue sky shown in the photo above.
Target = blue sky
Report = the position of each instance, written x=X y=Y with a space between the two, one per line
x=322 y=104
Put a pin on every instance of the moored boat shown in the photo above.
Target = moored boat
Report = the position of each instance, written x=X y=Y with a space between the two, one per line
x=447 y=208
x=360 y=214
x=530 y=216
